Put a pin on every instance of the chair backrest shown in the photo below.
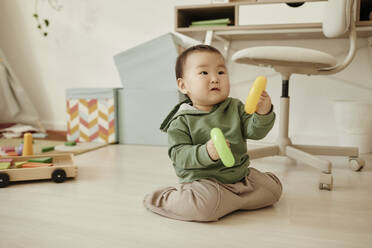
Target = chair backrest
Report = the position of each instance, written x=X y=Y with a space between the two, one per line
x=337 y=17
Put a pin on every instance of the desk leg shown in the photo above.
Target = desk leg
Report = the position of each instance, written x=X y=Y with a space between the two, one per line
x=208 y=37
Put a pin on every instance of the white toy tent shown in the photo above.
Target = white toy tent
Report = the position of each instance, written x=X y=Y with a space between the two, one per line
x=15 y=105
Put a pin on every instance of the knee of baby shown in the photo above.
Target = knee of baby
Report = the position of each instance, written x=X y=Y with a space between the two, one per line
x=267 y=180
x=276 y=186
x=204 y=203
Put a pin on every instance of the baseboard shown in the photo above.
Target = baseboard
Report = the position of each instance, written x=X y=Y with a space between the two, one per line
x=326 y=140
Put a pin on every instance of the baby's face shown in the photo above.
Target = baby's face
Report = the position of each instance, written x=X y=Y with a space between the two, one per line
x=205 y=79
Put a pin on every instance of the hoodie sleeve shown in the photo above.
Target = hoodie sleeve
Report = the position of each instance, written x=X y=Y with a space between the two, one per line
x=182 y=151
x=256 y=126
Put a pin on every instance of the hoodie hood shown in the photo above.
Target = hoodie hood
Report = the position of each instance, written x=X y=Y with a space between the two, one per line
x=185 y=108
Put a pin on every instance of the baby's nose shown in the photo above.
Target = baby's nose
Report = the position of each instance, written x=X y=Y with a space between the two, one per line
x=214 y=80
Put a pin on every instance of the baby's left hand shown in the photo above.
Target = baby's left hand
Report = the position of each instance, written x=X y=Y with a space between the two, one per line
x=264 y=104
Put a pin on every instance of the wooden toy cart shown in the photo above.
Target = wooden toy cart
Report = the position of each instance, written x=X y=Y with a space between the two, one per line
x=63 y=167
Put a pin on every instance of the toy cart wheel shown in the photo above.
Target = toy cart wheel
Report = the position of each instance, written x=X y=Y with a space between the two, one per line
x=59 y=176
x=4 y=180
x=356 y=164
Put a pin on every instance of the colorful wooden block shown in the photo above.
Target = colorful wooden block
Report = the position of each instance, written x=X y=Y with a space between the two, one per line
x=7 y=149
x=27 y=145
x=70 y=143
x=12 y=153
x=41 y=160
x=6 y=160
x=4 y=165
x=20 y=149
x=19 y=164
x=35 y=165
x=47 y=149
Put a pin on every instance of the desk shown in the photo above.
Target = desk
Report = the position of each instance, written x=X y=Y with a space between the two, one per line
x=184 y=15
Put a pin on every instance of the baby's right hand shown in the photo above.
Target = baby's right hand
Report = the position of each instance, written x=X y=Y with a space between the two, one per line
x=211 y=149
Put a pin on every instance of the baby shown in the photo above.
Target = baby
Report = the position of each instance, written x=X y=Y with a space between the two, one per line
x=208 y=190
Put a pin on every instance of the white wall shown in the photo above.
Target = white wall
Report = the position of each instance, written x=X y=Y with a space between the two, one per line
x=85 y=35
x=78 y=51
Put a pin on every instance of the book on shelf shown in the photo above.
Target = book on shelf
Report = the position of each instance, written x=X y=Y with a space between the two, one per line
x=214 y=22
x=206 y=25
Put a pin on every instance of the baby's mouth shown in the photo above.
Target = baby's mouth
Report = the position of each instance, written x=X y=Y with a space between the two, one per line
x=215 y=89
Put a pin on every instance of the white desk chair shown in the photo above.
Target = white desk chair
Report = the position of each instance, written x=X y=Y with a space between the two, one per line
x=339 y=19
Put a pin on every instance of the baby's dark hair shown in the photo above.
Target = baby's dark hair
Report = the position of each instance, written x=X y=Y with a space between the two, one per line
x=183 y=56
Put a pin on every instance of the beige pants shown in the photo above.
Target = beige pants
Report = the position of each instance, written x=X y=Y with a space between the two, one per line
x=209 y=200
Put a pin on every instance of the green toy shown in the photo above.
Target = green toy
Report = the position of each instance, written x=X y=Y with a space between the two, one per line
x=222 y=148
x=70 y=143
x=47 y=149
x=41 y=160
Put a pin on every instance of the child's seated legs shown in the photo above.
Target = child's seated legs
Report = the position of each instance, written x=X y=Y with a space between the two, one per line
x=195 y=201
x=209 y=200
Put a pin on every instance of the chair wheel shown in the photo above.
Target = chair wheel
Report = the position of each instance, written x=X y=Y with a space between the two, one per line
x=326 y=181
x=356 y=163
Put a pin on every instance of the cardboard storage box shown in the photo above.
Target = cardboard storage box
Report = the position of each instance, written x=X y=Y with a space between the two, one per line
x=142 y=113
x=150 y=90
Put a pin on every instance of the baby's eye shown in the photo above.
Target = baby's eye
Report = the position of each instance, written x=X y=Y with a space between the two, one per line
x=204 y=73
x=221 y=72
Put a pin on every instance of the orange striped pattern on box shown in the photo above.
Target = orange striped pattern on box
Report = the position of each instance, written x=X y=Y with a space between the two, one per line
x=91 y=120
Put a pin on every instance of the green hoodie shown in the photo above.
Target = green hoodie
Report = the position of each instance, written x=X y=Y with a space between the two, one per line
x=189 y=130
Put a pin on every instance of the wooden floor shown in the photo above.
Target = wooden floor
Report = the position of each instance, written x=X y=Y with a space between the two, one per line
x=103 y=208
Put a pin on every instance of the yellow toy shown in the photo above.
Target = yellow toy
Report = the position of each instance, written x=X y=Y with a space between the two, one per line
x=254 y=94
x=27 y=145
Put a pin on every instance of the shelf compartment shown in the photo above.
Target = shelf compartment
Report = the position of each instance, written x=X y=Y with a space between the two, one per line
x=365 y=9
x=186 y=15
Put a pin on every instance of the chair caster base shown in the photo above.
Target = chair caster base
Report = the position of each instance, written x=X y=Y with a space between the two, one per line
x=356 y=163
x=326 y=181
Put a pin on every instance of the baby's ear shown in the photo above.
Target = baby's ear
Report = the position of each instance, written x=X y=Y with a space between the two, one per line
x=181 y=85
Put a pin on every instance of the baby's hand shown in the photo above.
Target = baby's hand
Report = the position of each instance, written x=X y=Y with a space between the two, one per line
x=211 y=149
x=264 y=104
